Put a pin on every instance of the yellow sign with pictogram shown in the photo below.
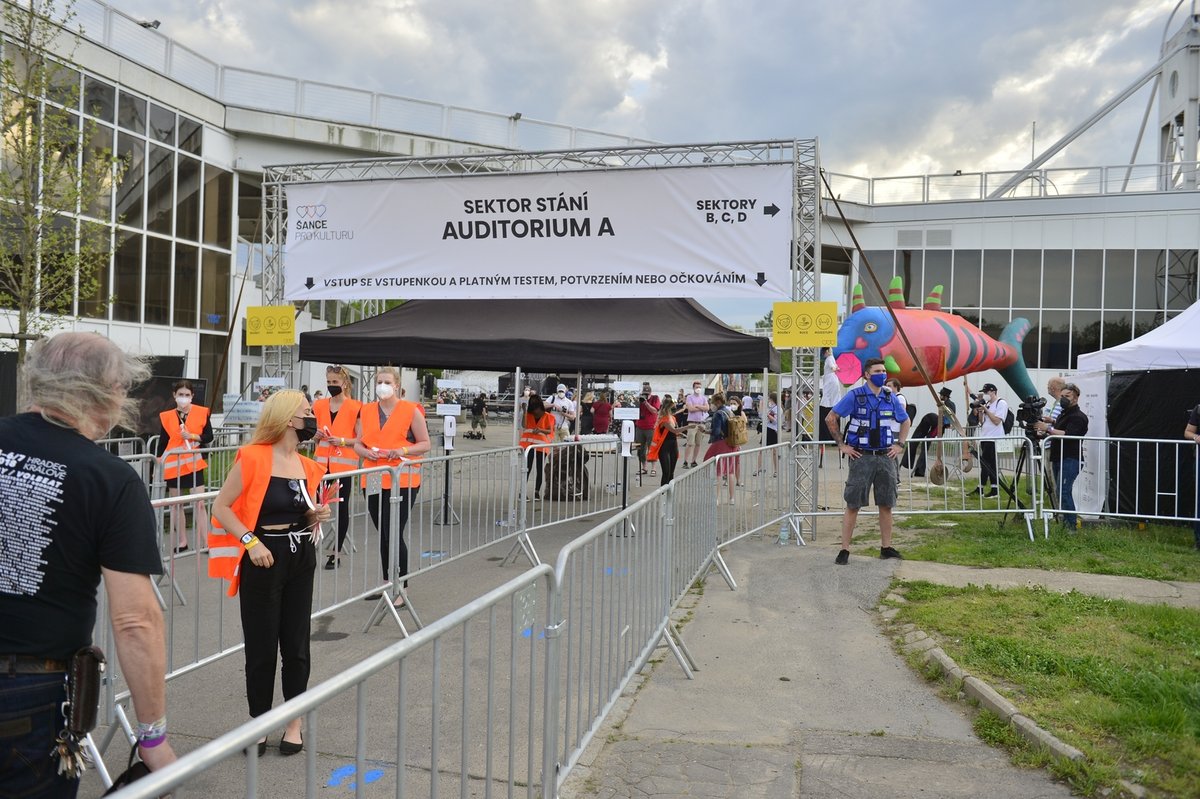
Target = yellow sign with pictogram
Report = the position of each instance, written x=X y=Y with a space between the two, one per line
x=270 y=325
x=804 y=324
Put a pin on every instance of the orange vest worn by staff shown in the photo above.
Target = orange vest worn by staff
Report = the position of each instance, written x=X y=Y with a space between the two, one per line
x=393 y=435
x=178 y=459
x=339 y=458
x=661 y=430
x=224 y=549
x=537 y=431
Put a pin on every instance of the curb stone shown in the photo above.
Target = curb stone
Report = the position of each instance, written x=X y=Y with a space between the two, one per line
x=913 y=639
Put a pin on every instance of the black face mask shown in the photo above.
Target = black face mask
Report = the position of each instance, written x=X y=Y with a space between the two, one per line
x=1064 y=402
x=309 y=430
x=333 y=391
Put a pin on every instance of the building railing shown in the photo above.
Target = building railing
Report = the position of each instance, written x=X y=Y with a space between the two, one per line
x=1058 y=182
x=281 y=94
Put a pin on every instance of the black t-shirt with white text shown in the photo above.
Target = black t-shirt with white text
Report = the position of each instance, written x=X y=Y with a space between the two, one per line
x=67 y=508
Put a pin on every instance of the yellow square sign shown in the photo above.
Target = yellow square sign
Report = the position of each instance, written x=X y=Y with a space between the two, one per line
x=270 y=325
x=804 y=324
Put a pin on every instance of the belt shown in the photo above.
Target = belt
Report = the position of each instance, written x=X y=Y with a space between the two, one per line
x=30 y=664
x=870 y=451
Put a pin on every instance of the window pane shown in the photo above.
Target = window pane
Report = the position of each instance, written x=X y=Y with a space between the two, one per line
x=1145 y=321
x=909 y=267
x=158 y=281
x=1056 y=340
x=62 y=85
x=1088 y=278
x=967 y=279
x=1056 y=279
x=96 y=160
x=160 y=197
x=187 y=276
x=131 y=113
x=1118 y=328
x=1148 y=285
x=95 y=286
x=187 y=222
x=127 y=278
x=99 y=98
x=992 y=322
x=1031 y=348
x=937 y=272
x=218 y=206
x=162 y=124
x=131 y=152
x=190 y=136
x=1118 y=280
x=881 y=262
x=212 y=354
x=214 y=291
x=1181 y=280
x=1027 y=278
x=997 y=274
x=1085 y=334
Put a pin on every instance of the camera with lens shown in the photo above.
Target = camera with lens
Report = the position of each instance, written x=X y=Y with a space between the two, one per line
x=1030 y=411
x=977 y=401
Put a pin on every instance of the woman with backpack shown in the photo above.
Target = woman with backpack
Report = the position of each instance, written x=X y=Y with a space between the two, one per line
x=718 y=442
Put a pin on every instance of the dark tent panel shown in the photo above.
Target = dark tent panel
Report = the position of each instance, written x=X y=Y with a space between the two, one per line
x=621 y=336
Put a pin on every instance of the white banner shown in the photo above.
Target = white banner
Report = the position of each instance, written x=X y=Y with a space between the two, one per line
x=714 y=231
x=1091 y=487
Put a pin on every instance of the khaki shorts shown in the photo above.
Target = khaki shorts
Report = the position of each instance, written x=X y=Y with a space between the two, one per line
x=867 y=471
x=695 y=434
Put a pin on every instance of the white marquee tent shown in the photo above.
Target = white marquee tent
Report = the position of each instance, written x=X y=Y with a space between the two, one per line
x=1173 y=345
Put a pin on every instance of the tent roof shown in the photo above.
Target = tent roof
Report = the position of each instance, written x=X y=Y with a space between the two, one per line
x=622 y=336
x=1173 y=345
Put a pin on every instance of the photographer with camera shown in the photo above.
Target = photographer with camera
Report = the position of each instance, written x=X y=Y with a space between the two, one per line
x=1064 y=455
x=990 y=410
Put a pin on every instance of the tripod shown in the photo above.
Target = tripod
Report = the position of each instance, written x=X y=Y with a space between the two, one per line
x=1033 y=465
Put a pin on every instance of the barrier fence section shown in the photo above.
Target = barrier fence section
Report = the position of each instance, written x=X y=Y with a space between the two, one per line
x=1142 y=479
x=458 y=728
x=577 y=479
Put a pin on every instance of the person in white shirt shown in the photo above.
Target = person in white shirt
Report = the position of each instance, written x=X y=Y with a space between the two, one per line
x=561 y=407
x=831 y=392
x=697 y=411
x=991 y=415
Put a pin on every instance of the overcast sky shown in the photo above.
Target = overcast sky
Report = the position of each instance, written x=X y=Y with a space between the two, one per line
x=890 y=88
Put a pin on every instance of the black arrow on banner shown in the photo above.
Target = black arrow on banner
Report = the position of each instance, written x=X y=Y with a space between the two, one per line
x=762 y=276
x=771 y=210
x=308 y=284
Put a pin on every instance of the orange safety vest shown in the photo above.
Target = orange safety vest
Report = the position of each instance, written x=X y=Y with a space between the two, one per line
x=393 y=435
x=661 y=431
x=339 y=459
x=225 y=549
x=178 y=458
x=537 y=432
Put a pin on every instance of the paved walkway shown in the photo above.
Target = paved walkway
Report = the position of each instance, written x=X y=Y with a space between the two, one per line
x=801 y=694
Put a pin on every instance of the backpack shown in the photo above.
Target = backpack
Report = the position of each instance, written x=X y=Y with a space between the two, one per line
x=477 y=406
x=735 y=430
x=1009 y=420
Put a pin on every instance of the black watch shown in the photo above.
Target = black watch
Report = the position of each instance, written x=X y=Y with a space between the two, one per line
x=247 y=538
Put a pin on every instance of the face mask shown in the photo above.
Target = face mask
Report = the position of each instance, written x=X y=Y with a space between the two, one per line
x=878 y=379
x=333 y=390
x=309 y=430
x=696 y=390
x=183 y=403
x=1065 y=402
x=384 y=391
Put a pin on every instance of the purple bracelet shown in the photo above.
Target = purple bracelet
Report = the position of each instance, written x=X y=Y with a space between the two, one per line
x=150 y=743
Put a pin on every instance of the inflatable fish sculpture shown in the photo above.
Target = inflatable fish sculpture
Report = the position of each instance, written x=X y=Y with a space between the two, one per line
x=948 y=345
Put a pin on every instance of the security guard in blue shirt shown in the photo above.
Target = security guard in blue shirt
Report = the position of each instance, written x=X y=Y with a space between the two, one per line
x=874 y=442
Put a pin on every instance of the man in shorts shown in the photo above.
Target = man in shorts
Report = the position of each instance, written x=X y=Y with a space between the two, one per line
x=873 y=444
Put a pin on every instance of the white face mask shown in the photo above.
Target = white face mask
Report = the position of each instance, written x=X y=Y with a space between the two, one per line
x=384 y=391
x=183 y=403
x=696 y=390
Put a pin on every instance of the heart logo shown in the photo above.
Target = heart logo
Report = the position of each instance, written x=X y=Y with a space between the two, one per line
x=310 y=211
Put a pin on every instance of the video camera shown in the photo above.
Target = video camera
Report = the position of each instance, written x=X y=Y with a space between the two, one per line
x=977 y=401
x=1029 y=412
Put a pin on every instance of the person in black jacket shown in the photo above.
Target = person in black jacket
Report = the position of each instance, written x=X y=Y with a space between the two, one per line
x=1065 y=454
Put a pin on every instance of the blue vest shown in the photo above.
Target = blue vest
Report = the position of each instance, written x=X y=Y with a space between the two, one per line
x=871 y=414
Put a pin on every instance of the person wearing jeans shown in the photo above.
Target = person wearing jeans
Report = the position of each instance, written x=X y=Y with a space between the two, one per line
x=1064 y=454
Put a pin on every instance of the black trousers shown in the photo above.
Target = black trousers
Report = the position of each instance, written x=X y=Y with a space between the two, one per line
x=668 y=457
x=380 y=507
x=345 y=489
x=532 y=454
x=987 y=464
x=276 y=605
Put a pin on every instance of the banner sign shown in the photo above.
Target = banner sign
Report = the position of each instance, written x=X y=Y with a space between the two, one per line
x=713 y=231
x=268 y=325
x=804 y=324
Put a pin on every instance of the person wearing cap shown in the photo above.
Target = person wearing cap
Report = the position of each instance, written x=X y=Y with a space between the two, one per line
x=990 y=413
x=561 y=407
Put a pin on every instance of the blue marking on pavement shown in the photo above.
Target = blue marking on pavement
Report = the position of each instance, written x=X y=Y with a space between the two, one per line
x=623 y=572
x=435 y=554
x=337 y=779
x=528 y=633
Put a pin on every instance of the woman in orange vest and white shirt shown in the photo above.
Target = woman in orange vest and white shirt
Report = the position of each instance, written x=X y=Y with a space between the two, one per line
x=337 y=431
x=537 y=429
x=185 y=428
x=391 y=432
x=266 y=514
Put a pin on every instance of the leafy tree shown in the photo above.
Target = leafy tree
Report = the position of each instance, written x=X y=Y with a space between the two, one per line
x=50 y=181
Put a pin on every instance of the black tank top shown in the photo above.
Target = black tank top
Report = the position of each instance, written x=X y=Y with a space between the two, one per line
x=283 y=503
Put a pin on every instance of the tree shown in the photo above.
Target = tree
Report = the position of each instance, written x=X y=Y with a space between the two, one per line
x=50 y=181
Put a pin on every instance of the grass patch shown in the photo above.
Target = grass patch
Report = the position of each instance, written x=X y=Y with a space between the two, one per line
x=1156 y=552
x=1118 y=680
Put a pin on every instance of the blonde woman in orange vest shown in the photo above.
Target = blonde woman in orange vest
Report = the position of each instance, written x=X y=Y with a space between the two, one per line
x=185 y=428
x=537 y=429
x=337 y=426
x=268 y=510
x=392 y=432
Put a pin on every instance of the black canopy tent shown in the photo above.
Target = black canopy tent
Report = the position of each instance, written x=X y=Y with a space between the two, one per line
x=622 y=336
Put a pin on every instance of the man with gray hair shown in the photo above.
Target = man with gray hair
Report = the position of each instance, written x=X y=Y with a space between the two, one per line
x=70 y=512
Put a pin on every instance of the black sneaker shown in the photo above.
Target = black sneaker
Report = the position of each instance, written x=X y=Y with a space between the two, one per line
x=991 y=494
x=843 y=557
x=888 y=552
